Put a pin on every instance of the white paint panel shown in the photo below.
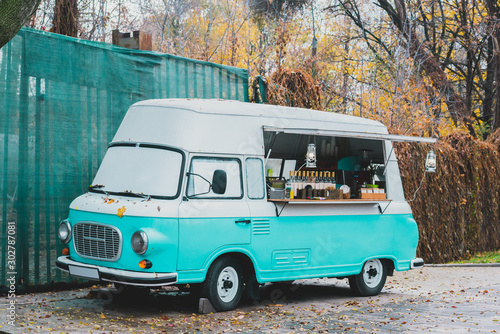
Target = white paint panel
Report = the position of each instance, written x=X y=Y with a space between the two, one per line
x=225 y=127
x=268 y=209
x=213 y=208
x=139 y=207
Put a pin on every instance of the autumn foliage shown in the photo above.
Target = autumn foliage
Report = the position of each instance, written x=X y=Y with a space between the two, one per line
x=294 y=88
x=457 y=208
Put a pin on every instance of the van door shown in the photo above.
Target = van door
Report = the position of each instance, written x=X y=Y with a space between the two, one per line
x=214 y=213
x=262 y=212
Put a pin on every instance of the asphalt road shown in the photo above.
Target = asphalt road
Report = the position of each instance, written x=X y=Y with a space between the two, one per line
x=431 y=299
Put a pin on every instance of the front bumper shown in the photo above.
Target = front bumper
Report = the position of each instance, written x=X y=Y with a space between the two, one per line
x=128 y=277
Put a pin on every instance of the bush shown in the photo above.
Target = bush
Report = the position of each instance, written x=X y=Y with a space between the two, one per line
x=457 y=208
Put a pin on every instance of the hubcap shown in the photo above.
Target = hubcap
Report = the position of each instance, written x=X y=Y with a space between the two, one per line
x=372 y=273
x=227 y=284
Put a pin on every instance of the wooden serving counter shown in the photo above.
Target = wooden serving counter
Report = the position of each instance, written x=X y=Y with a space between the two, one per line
x=328 y=201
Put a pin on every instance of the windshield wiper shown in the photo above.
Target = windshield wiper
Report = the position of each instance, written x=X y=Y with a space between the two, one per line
x=98 y=187
x=130 y=193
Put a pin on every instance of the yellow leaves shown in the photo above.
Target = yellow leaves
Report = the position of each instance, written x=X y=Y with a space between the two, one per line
x=121 y=211
x=110 y=200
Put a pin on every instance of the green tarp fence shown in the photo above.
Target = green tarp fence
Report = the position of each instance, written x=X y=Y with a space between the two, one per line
x=61 y=101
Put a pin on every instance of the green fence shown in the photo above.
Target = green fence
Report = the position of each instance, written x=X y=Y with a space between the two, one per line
x=61 y=101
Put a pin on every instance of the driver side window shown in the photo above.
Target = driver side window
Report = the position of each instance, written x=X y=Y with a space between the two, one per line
x=201 y=176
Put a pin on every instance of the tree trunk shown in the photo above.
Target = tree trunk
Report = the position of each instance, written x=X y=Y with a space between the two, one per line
x=493 y=8
x=65 y=18
x=496 y=111
x=489 y=87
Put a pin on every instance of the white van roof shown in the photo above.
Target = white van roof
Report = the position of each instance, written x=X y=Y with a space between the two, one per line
x=233 y=127
x=237 y=108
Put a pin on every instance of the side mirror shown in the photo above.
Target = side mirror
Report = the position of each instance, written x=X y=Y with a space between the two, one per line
x=219 y=182
x=430 y=162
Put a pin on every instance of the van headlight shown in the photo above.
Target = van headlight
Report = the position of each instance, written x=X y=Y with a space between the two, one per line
x=139 y=242
x=64 y=231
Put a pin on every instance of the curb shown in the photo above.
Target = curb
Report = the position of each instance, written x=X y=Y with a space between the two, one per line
x=464 y=265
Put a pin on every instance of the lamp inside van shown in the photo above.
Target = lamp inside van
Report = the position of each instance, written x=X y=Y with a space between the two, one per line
x=311 y=156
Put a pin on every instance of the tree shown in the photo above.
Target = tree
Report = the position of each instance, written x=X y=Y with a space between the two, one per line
x=13 y=16
x=494 y=56
x=427 y=53
x=65 y=20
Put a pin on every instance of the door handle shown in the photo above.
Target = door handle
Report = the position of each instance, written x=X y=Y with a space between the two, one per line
x=243 y=221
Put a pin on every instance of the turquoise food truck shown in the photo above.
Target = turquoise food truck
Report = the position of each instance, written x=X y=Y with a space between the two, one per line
x=225 y=195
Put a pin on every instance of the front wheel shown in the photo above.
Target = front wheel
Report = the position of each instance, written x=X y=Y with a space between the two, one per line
x=224 y=284
x=371 y=279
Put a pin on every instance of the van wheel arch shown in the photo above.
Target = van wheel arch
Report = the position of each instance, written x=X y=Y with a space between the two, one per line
x=243 y=259
x=371 y=280
x=390 y=266
x=234 y=271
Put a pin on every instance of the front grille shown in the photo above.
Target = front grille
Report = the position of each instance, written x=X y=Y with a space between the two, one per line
x=97 y=241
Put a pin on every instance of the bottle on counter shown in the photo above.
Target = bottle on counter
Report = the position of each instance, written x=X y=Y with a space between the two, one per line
x=321 y=185
x=294 y=185
x=306 y=185
x=316 y=188
x=288 y=187
x=329 y=184
x=299 y=185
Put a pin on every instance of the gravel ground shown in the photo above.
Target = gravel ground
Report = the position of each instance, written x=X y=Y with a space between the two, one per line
x=435 y=299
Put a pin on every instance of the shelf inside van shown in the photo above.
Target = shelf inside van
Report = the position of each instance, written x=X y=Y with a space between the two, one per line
x=327 y=201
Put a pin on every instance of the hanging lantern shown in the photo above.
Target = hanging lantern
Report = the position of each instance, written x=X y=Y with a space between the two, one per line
x=430 y=162
x=311 y=156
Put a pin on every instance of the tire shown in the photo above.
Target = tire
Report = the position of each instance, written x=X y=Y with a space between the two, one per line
x=371 y=279
x=223 y=285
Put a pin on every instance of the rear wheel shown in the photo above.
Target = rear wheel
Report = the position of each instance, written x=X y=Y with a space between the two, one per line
x=224 y=284
x=371 y=279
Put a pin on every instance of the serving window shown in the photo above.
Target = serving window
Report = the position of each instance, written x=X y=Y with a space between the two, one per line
x=339 y=168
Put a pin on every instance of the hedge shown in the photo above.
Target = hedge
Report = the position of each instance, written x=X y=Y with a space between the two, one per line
x=457 y=208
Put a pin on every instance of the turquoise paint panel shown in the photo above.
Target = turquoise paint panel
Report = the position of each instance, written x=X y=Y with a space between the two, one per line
x=339 y=245
x=281 y=248
x=317 y=246
x=202 y=237
x=406 y=242
x=198 y=276
x=162 y=235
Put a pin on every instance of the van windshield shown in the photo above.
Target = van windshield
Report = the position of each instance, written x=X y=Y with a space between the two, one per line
x=140 y=170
